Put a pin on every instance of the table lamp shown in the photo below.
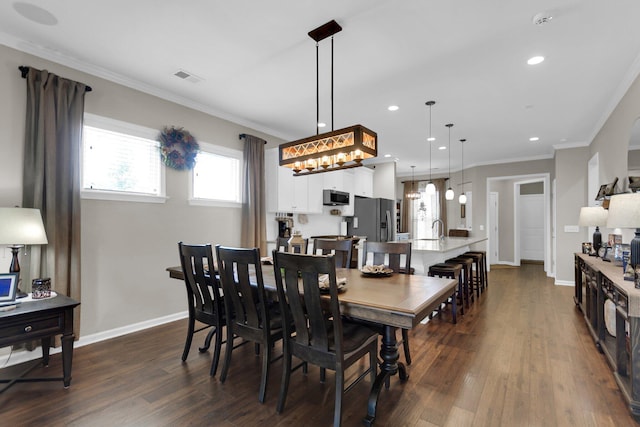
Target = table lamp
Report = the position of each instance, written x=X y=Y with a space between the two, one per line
x=624 y=212
x=20 y=227
x=594 y=216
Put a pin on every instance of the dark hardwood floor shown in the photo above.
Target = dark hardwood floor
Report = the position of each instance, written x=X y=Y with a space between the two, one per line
x=521 y=356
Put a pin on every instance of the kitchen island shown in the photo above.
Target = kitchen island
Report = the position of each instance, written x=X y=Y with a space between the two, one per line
x=426 y=252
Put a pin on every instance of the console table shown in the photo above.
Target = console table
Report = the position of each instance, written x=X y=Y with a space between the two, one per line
x=40 y=319
x=596 y=282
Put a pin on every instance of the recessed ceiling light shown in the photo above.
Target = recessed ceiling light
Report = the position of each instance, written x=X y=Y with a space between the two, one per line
x=535 y=60
x=392 y=108
x=321 y=125
x=387 y=155
x=35 y=13
x=534 y=139
x=431 y=139
x=442 y=148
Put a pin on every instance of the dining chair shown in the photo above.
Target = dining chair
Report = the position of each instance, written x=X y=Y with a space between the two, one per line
x=391 y=254
x=251 y=316
x=282 y=244
x=204 y=298
x=319 y=336
x=342 y=249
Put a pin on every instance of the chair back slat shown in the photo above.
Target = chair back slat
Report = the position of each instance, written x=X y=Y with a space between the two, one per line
x=341 y=249
x=316 y=320
x=241 y=277
x=203 y=289
x=389 y=254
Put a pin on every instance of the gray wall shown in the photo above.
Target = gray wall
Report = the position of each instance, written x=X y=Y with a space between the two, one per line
x=125 y=246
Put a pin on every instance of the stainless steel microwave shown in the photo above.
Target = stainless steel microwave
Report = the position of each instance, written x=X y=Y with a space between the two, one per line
x=334 y=198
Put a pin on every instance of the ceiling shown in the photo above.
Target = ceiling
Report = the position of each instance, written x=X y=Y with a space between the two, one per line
x=257 y=66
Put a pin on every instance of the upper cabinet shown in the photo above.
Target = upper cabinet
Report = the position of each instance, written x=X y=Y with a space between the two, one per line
x=363 y=182
x=288 y=193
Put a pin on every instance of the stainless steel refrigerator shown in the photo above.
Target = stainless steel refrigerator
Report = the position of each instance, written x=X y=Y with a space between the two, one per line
x=373 y=218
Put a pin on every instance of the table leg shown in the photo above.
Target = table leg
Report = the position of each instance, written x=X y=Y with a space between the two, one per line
x=67 y=358
x=388 y=367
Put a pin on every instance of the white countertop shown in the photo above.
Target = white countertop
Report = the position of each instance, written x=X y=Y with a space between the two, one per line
x=446 y=245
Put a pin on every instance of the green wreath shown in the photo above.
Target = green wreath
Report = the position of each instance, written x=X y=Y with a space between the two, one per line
x=178 y=148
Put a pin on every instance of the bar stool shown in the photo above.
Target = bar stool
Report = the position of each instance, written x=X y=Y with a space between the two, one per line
x=467 y=267
x=450 y=271
x=483 y=267
x=476 y=274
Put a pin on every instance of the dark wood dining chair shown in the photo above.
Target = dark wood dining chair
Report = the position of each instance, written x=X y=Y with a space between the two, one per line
x=250 y=315
x=342 y=250
x=282 y=244
x=320 y=335
x=204 y=298
x=391 y=254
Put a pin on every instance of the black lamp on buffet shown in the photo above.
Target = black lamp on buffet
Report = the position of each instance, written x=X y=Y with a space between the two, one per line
x=594 y=216
x=624 y=212
x=20 y=227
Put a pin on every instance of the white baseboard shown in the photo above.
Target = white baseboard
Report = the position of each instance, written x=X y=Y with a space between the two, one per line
x=565 y=283
x=21 y=356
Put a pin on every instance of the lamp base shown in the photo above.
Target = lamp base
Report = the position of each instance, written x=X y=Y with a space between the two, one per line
x=14 y=267
x=597 y=241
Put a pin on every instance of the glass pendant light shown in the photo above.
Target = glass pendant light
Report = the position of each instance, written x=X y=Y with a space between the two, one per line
x=449 y=195
x=413 y=194
x=431 y=188
x=463 y=197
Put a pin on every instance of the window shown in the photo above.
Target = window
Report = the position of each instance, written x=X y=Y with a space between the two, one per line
x=216 y=176
x=121 y=161
x=424 y=211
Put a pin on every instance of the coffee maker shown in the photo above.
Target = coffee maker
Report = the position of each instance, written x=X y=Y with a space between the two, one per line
x=285 y=224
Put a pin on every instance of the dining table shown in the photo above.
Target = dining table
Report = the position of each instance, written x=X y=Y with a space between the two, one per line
x=391 y=300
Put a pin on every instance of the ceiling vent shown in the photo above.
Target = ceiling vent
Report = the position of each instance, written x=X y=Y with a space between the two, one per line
x=542 y=18
x=185 y=75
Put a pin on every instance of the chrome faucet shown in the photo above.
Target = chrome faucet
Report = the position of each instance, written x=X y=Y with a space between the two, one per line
x=441 y=233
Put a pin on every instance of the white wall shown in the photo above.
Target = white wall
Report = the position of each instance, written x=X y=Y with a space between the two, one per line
x=125 y=246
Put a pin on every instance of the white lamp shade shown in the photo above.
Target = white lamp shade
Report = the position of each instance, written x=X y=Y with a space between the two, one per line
x=431 y=189
x=593 y=216
x=462 y=199
x=624 y=211
x=449 y=194
x=21 y=226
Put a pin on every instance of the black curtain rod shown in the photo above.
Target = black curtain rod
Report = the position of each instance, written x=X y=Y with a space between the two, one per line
x=24 y=70
x=244 y=135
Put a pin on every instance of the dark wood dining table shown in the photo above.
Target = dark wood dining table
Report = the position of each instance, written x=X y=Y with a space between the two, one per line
x=394 y=301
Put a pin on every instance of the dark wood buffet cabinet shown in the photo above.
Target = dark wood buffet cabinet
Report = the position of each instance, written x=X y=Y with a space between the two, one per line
x=597 y=282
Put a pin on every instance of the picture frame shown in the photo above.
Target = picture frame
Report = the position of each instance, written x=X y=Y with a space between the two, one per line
x=8 y=287
x=634 y=183
x=607 y=190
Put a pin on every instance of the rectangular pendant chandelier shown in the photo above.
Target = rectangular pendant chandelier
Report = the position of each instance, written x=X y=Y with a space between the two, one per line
x=340 y=149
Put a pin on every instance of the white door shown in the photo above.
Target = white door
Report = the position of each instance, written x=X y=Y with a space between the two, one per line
x=494 y=237
x=532 y=227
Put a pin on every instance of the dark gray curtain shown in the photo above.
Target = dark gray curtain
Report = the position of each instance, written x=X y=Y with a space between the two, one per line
x=51 y=177
x=254 y=234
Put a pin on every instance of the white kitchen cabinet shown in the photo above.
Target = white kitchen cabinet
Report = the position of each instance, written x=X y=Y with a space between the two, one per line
x=363 y=182
x=334 y=180
x=288 y=193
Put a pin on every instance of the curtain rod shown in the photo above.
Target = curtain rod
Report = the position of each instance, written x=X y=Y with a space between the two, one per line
x=244 y=135
x=24 y=70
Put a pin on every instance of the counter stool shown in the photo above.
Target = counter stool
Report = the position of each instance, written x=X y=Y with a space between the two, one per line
x=476 y=273
x=467 y=267
x=450 y=271
x=483 y=266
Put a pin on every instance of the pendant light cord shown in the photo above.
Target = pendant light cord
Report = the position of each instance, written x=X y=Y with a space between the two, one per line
x=430 y=141
x=332 y=83
x=317 y=88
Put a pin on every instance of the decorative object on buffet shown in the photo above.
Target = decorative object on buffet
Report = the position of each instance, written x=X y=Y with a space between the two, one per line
x=339 y=149
x=20 y=227
x=431 y=188
x=593 y=216
x=449 y=195
x=413 y=194
x=463 y=197
x=296 y=243
x=41 y=288
x=624 y=212
x=178 y=148
x=634 y=184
